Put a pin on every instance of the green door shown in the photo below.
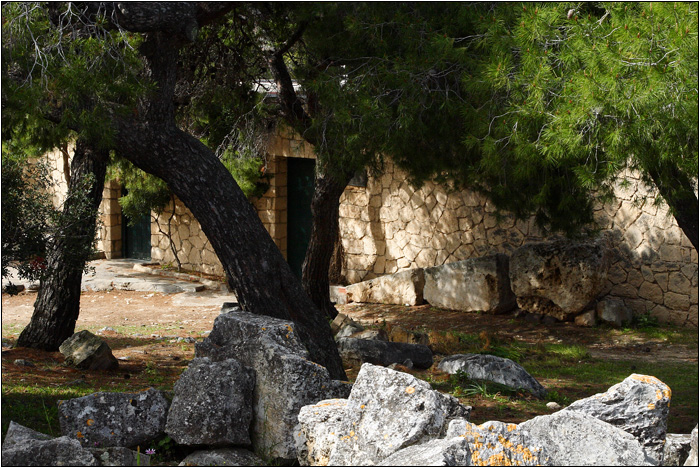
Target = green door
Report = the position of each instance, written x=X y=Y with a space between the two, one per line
x=137 y=238
x=300 y=189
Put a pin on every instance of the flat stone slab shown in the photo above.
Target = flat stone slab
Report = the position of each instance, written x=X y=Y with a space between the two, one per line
x=384 y=353
x=402 y=288
x=476 y=284
x=493 y=369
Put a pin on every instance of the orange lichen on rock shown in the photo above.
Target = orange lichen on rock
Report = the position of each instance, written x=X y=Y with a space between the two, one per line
x=650 y=379
x=511 y=427
x=410 y=390
x=89 y=422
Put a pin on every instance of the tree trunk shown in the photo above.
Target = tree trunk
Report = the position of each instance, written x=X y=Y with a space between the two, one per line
x=58 y=302
x=324 y=234
x=677 y=190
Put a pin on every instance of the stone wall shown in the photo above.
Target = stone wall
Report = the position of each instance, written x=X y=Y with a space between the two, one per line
x=388 y=226
x=192 y=246
x=109 y=235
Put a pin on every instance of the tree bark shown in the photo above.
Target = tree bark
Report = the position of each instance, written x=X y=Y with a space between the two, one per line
x=259 y=275
x=676 y=188
x=58 y=303
x=325 y=204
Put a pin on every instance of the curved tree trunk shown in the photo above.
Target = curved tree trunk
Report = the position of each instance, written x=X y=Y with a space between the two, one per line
x=324 y=234
x=58 y=302
x=677 y=190
x=259 y=275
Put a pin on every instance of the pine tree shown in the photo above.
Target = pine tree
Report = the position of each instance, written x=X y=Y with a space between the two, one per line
x=566 y=95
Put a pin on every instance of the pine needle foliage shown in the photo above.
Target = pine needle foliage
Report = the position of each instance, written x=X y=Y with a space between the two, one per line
x=564 y=96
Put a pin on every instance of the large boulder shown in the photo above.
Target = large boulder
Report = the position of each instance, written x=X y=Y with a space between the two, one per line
x=613 y=312
x=638 y=405
x=493 y=369
x=320 y=426
x=388 y=411
x=692 y=459
x=87 y=351
x=285 y=379
x=475 y=284
x=26 y=447
x=560 y=278
x=573 y=438
x=222 y=457
x=494 y=443
x=402 y=288
x=213 y=404
x=355 y=351
x=114 y=419
x=676 y=449
x=437 y=452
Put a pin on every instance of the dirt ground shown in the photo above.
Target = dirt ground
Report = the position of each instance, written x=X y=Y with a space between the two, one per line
x=194 y=314
x=153 y=335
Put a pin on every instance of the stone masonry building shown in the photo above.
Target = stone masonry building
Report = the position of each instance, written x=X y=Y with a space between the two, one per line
x=387 y=226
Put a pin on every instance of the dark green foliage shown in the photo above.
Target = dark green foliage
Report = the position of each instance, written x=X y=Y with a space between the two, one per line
x=26 y=214
x=564 y=96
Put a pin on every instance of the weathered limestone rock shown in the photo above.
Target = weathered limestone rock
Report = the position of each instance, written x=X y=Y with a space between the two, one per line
x=27 y=447
x=494 y=369
x=499 y=444
x=114 y=419
x=338 y=322
x=120 y=456
x=285 y=380
x=437 y=452
x=371 y=334
x=638 y=405
x=349 y=329
x=559 y=278
x=87 y=351
x=17 y=433
x=319 y=431
x=403 y=288
x=586 y=319
x=676 y=449
x=613 y=311
x=573 y=438
x=213 y=404
x=692 y=459
x=383 y=353
x=471 y=285
x=387 y=411
x=222 y=457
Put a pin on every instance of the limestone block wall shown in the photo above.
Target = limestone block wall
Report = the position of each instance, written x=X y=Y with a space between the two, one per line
x=191 y=244
x=109 y=235
x=388 y=226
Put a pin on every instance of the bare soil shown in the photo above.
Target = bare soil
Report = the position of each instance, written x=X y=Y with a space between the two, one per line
x=148 y=331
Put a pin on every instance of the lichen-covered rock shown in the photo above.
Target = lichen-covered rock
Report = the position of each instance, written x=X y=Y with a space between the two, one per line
x=87 y=351
x=319 y=431
x=676 y=449
x=692 y=459
x=494 y=369
x=222 y=457
x=120 y=456
x=573 y=438
x=16 y=433
x=26 y=447
x=494 y=443
x=114 y=419
x=559 y=278
x=354 y=351
x=387 y=411
x=285 y=380
x=437 y=452
x=475 y=284
x=638 y=405
x=402 y=288
x=213 y=404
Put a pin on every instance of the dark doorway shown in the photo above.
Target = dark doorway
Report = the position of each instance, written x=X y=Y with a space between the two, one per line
x=300 y=189
x=137 y=237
